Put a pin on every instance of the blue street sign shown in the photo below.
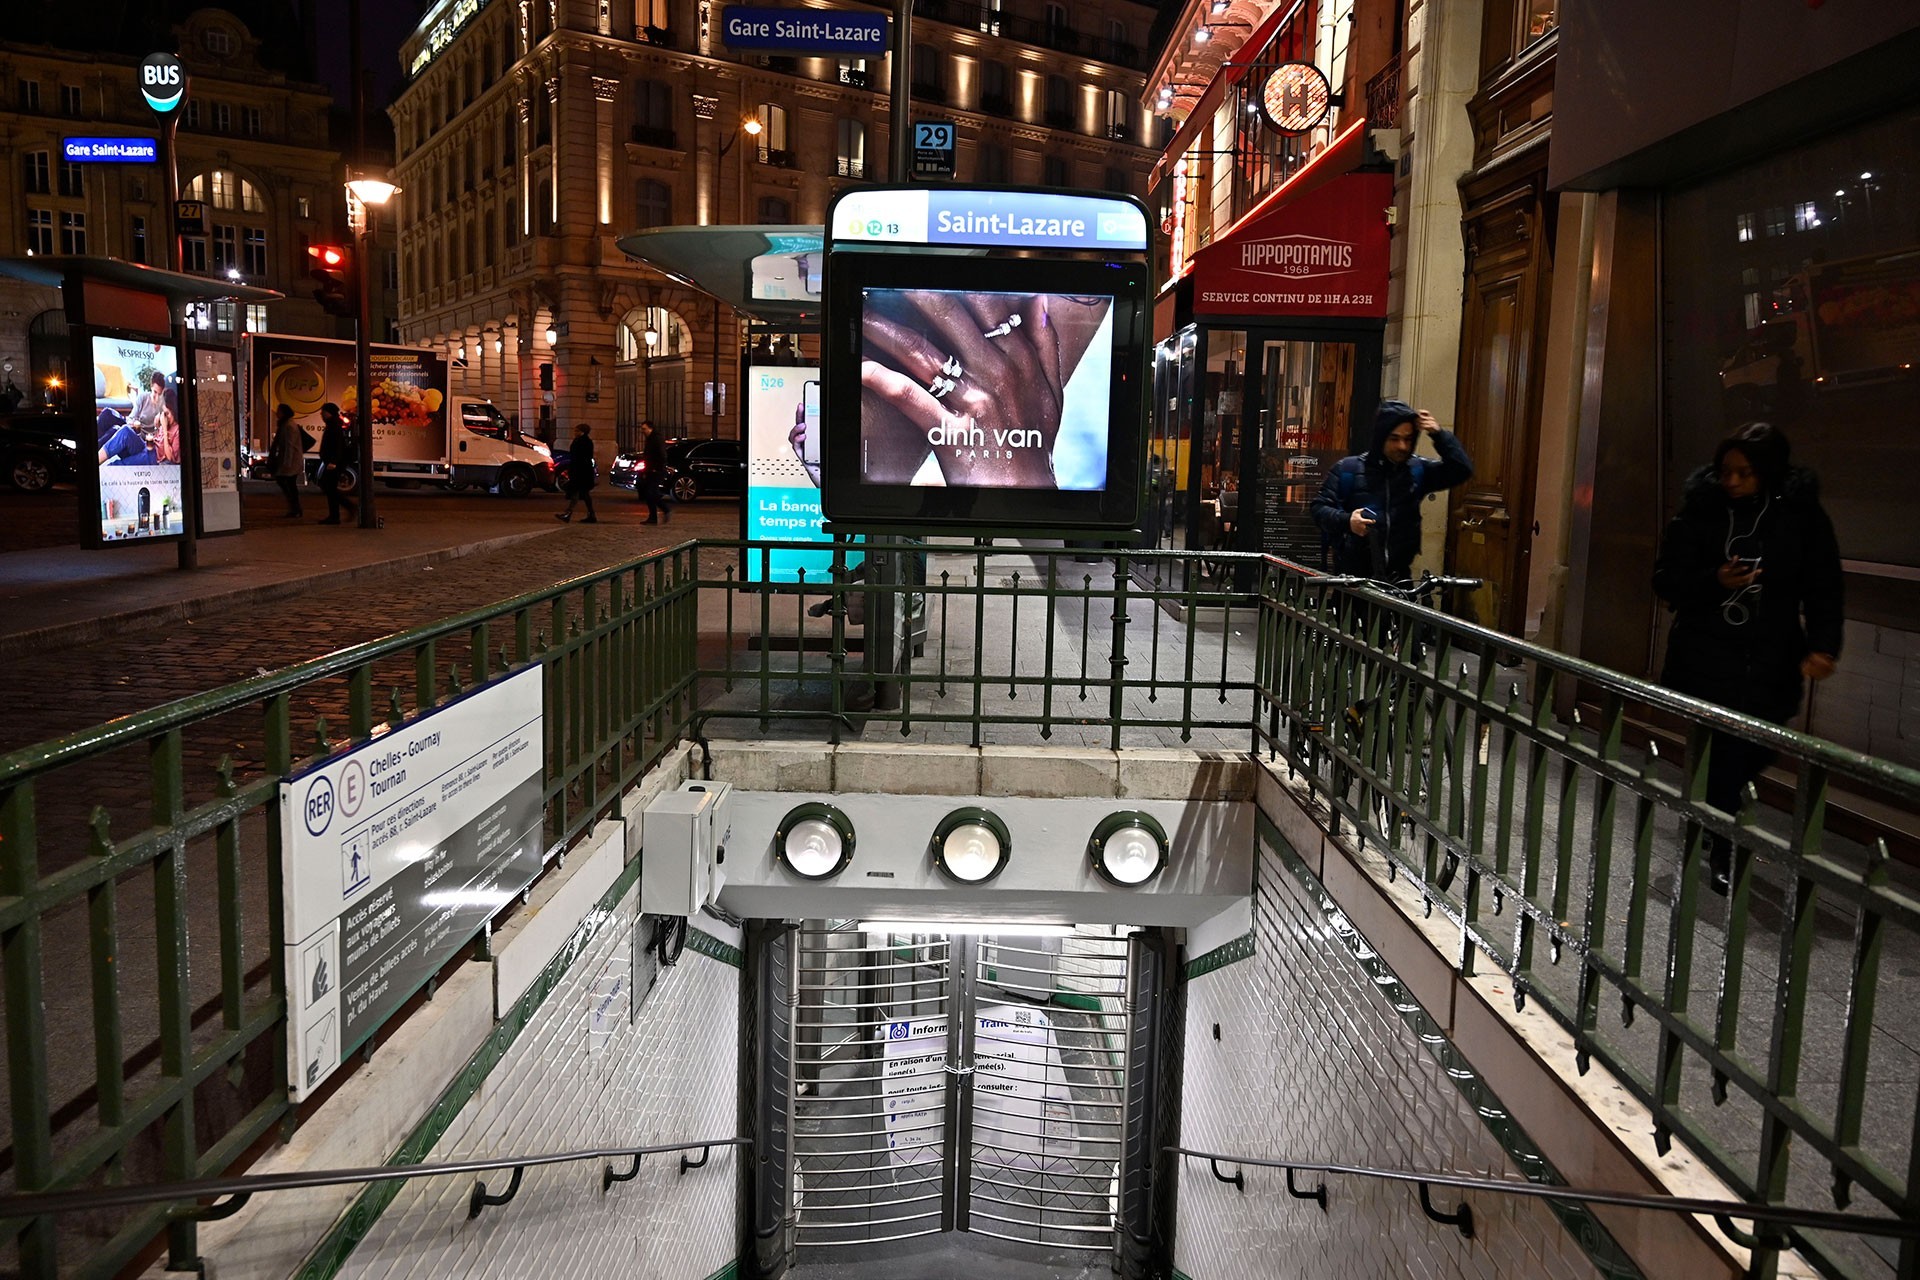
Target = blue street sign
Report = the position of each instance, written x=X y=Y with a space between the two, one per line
x=118 y=150
x=834 y=31
x=933 y=148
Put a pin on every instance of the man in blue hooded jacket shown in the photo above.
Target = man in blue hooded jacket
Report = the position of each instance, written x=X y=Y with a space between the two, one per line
x=1369 y=505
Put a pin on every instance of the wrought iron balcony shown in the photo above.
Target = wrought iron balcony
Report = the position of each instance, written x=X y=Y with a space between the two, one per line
x=1383 y=96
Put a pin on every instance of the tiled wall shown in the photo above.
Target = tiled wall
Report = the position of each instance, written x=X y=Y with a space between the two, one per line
x=1313 y=1061
x=592 y=1068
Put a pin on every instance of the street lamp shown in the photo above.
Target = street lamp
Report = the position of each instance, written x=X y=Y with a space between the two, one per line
x=365 y=194
x=751 y=127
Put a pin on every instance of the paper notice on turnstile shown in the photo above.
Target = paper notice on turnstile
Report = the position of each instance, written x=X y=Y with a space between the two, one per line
x=1022 y=1107
x=914 y=1088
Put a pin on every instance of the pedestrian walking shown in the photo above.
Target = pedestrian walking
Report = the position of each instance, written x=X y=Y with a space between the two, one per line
x=1751 y=569
x=288 y=457
x=336 y=451
x=1369 y=505
x=580 y=474
x=651 y=486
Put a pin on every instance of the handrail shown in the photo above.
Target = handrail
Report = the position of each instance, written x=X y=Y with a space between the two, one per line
x=1725 y=1212
x=251 y=1184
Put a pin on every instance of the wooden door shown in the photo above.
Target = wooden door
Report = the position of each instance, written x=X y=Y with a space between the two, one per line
x=1491 y=516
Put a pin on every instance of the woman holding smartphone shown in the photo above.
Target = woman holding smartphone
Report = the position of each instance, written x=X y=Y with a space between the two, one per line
x=1751 y=569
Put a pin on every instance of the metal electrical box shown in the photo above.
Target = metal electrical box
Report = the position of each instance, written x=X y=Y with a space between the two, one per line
x=683 y=838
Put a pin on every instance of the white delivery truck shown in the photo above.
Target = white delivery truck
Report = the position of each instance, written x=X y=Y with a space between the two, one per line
x=420 y=434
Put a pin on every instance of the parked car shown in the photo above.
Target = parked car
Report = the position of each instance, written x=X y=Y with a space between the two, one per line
x=696 y=468
x=38 y=450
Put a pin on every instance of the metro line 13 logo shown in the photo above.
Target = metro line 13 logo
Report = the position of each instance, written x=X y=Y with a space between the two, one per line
x=319 y=805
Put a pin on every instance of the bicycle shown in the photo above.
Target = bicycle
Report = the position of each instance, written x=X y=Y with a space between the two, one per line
x=1377 y=732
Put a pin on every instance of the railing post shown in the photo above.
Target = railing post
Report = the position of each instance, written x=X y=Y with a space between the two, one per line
x=26 y=1029
x=1116 y=696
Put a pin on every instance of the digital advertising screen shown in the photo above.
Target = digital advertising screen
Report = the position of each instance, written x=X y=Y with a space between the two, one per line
x=136 y=392
x=784 y=435
x=981 y=390
x=985 y=390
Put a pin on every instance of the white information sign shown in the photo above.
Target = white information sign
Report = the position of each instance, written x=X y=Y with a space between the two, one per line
x=1019 y=1082
x=395 y=854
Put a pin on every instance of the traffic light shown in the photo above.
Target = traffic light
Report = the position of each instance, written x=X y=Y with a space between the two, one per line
x=331 y=265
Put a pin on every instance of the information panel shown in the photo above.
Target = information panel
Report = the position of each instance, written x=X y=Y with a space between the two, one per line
x=395 y=854
x=784 y=435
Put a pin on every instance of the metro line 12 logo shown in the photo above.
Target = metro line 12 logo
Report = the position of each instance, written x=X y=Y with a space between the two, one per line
x=318 y=808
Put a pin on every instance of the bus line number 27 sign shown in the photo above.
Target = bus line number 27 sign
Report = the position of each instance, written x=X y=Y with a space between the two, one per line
x=933 y=148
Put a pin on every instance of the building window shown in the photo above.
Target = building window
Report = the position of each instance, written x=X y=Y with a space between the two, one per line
x=773 y=135
x=73 y=178
x=70 y=100
x=1776 y=220
x=1743 y=227
x=1055 y=172
x=37 y=172
x=775 y=211
x=29 y=95
x=653 y=113
x=303 y=206
x=194 y=254
x=851 y=161
x=1537 y=17
x=929 y=73
x=193 y=112
x=250 y=121
x=39 y=231
x=993 y=162
x=217 y=41
x=1119 y=180
x=653 y=203
x=73 y=232
x=1119 y=121
x=225 y=247
x=222 y=118
x=990 y=17
x=390 y=269
x=139 y=242
x=1806 y=216
x=253 y=242
x=256 y=317
x=853 y=71
x=225 y=190
x=993 y=89
x=1057 y=29
x=1059 y=103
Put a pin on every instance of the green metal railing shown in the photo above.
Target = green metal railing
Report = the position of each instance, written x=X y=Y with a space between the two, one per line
x=617 y=651
x=1544 y=824
x=1523 y=795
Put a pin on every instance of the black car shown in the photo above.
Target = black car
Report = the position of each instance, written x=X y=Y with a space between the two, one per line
x=38 y=450
x=695 y=469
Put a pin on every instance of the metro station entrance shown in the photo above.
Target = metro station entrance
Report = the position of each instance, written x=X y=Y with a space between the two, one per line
x=965 y=1082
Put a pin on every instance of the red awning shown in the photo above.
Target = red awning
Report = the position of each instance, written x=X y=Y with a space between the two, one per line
x=1318 y=246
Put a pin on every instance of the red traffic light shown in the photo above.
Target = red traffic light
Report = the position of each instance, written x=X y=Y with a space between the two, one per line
x=327 y=257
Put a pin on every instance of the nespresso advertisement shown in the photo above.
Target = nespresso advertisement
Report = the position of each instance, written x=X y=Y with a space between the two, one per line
x=985 y=390
x=136 y=393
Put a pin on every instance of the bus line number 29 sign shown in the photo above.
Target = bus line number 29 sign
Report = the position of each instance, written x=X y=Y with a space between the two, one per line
x=933 y=147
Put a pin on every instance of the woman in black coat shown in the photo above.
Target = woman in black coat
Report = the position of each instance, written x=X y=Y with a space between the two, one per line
x=1752 y=571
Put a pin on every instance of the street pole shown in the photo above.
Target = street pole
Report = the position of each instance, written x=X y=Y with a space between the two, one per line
x=900 y=92
x=362 y=379
x=187 y=550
